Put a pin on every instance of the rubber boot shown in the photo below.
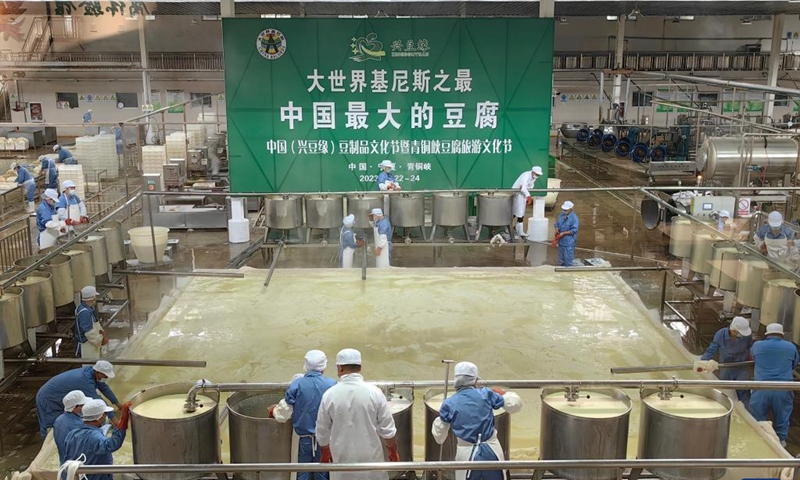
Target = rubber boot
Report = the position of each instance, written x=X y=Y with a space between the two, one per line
x=31 y=208
x=520 y=232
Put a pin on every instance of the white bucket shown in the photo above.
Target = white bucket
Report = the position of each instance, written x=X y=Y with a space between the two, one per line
x=142 y=242
x=552 y=197
x=538 y=229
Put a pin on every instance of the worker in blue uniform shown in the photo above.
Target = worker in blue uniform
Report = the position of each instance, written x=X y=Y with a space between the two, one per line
x=90 y=441
x=301 y=403
x=348 y=243
x=775 y=239
x=67 y=200
x=118 y=138
x=566 y=233
x=50 y=172
x=470 y=415
x=90 y=335
x=64 y=155
x=68 y=421
x=45 y=214
x=25 y=179
x=382 y=229
x=88 y=380
x=775 y=360
x=733 y=344
x=386 y=179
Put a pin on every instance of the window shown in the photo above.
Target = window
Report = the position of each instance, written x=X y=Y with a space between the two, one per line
x=65 y=101
x=642 y=99
x=781 y=100
x=127 y=100
x=198 y=101
x=707 y=98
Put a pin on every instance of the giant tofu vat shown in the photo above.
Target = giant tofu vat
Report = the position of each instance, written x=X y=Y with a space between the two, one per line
x=514 y=323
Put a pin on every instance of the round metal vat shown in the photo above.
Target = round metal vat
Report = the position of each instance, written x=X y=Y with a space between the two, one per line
x=570 y=130
x=665 y=432
x=256 y=438
x=593 y=427
x=59 y=267
x=114 y=241
x=324 y=211
x=407 y=209
x=186 y=440
x=796 y=317
x=360 y=205
x=751 y=281
x=701 y=252
x=722 y=157
x=494 y=209
x=38 y=307
x=284 y=212
x=82 y=266
x=450 y=209
x=99 y=255
x=401 y=404
x=777 y=300
x=680 y=238
x=724 y=266
x=12 y=323
x=433 y=400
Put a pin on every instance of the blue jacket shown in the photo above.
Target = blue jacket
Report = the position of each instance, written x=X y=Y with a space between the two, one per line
x=766 y=232
x=730 y=349
x=567 y=223
x=382 y=177
x=65 y=423
x=23 y=175
x=385 y=228
x=85 y=317
x=90 y=441
x=63 y=155
x=50 y=165
x=87 y=117
x=305 y=396
x=44 y=214
x=49 y=398
x=64 y=200
x=470 y=412
x=775 y=359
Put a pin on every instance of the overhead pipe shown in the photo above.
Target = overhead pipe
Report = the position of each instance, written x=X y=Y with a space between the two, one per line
x=180 y=274
x=140 y=362
x=725 y=83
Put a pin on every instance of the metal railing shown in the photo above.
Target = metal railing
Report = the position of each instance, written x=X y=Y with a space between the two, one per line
x=102 y=203
x=15 y=242
x=673 y=61
x=127 y=60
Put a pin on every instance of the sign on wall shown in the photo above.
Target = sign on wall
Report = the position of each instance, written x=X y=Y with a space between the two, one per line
x=317 y=104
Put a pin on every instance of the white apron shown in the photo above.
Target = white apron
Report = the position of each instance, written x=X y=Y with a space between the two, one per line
x=91 y=350
x=777 y=247
x=49 y=237
x=464 y=450
x=519 y=205
x=347 y=254
x=382 y=260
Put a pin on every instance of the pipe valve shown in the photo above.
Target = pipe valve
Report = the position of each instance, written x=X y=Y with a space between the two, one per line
x=571 y=393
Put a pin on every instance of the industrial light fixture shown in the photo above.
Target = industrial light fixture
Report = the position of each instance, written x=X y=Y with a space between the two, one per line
x=210 y=18
x=635 y=13
x=612 y=18
x=686 y=17
x=747 y=20
x=150 y=17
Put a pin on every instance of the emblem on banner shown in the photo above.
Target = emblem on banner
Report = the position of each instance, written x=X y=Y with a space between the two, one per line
x=366 y=48
x=271 y=44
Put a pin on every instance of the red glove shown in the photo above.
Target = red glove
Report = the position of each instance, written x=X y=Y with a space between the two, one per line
x=360 y=243
x=68 y=221
x=63 y=230
x=84 y=219
x=529 y=201
x=394 y=456
x=499 y=391
x=271 y=411
x=555 y=242
x=124 y=416
x=105 y=339
x=325 y=455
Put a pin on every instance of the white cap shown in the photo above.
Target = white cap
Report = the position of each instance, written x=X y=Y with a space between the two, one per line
x=537 y=170
x=775 y=328
x=105 y=368
x=51 y=194
x=94 y=410
x=73 y=399
x=377 y=211
x=466 y=368
x=775 y=219
x=348 y=356
x=14 y=165
x=316 y=361
x=42 y=158
x=56 y=147
x=67 y=184
x=90 y=110
x=88 y=292
x=741 y=325
x=567 y=205
x=725 y=214
x=349 y=220
x=387 y=163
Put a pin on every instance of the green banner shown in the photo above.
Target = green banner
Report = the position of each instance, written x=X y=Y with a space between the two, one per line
x=729 y=107
x=317 y=104
x=757 y=106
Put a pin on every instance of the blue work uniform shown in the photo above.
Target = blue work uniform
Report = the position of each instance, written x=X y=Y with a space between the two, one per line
x=784 y=232
x=383 y=177
x=90 y=441
x=49 y=398
x=566 y=245
x=49 y=166
x=775 y=360
x=44 y=214
x=385 y=228
x=25 y=179
x=65 y=156
x=65 y=423
x=731 y=350
x=305 y=397
x=64 y=201
x=348 y=240
x=85 y=316
x=470 y=413
x=87 y=117
x=118 y=137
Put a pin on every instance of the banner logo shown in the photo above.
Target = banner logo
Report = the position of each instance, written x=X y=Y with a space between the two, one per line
x=366 y=48
x=271 y=44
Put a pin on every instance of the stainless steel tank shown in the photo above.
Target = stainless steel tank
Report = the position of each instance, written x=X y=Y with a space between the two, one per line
x=722 y=157
x=502 y=424
x=751 y=281
x=284 y=212
x=59 y=267
x=114 y=241
x=12 y=323
x=256 y=438
x=796 y=319
x=680 y=237
x=724 y=266
x=570 y=130
x=494 y=209
x=664 y=435
x=99 y=254
x=187 y=440
x=450 y=209
x=401 y=404
x=82 y=265
x=576 y=436
x=360 y=205
x=38 y=307
x=777 y=300
x=701 y=252
x=324 y=211
x=407 y=209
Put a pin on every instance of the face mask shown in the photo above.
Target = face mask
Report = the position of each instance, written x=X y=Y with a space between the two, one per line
x=103 y=380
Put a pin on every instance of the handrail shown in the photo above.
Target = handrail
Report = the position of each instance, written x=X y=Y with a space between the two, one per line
x=12 y=223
